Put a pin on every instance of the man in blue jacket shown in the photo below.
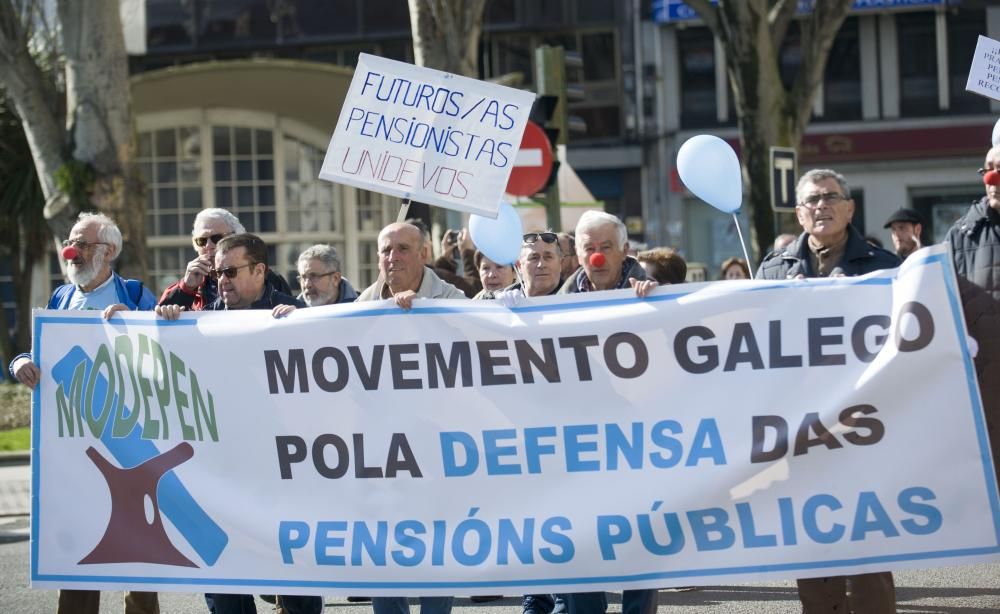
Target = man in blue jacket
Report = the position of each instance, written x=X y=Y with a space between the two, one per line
x=96 y=242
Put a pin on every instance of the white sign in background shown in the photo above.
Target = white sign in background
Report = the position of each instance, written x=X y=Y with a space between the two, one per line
x=627 y=462
x=984 y=74
x=427 y=135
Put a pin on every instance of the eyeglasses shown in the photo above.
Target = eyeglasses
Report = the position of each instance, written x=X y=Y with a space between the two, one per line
x=81 y=244
x=230 y=271
x=983 y=171
x=203 y=241
x=313 y=277
x=533 y=237
x=813 y=200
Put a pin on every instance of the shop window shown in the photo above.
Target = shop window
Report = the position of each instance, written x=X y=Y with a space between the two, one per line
x=917 y=64
x=241 y=21
x=964 y=28
x=170 y=163
x=842 y=81
x=595 y=11
x=169 y=23
x=385 y=16
x=696 y=48
x=243 y=161
x=311 y=203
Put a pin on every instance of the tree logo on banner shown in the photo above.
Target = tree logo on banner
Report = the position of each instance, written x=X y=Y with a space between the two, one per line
x=91 y=400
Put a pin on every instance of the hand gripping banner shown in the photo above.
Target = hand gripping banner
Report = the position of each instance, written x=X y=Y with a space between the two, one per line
x=710 y=433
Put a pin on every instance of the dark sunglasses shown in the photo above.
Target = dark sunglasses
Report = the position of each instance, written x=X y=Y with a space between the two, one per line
x=203 y=241
x=532 y=237
x=230 y=272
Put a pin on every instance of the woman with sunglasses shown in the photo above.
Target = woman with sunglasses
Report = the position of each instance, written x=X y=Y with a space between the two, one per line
x=196 y=289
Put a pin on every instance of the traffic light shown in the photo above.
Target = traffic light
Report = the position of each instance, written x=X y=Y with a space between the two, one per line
x=551 y=111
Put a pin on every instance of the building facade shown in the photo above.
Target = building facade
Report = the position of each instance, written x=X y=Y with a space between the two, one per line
x=893 y=116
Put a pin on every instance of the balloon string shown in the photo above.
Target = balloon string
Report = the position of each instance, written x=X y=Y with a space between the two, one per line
x=520 y=280
x=743 y=243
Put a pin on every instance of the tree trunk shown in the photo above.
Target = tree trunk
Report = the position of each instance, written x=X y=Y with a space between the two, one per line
x=99 y=120
x=91 y=163
x=446 y=37
x=752 y=33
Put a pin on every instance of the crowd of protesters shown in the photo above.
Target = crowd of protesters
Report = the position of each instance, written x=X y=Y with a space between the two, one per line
x=230 y=271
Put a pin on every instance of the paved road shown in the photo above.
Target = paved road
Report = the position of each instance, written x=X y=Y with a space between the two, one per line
x=957 y=590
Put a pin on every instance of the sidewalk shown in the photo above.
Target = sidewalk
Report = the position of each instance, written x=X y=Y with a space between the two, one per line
x=15 y=485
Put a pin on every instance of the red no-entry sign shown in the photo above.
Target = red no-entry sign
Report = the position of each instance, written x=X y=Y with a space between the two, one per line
x=533 y=162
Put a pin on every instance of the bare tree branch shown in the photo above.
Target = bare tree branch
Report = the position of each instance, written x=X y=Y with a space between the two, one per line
x=819 y=30
x=708 y=13
x=30 y=93
x=781 y=17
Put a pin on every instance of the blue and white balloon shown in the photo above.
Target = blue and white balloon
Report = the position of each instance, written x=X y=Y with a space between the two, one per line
x=499 y=239
x=708 y=166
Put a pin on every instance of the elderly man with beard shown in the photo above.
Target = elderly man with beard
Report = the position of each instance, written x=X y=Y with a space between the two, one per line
x=93 y=244
x=320 y=278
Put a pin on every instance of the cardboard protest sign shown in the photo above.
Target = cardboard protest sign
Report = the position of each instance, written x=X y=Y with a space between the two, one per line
x=984 y=75
x=427 y=135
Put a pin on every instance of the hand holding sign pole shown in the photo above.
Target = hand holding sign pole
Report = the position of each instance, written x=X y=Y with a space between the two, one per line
x=708 y=166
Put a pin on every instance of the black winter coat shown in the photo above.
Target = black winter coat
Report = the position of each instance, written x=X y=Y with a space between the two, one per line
x=860 y=257
x=975 y=247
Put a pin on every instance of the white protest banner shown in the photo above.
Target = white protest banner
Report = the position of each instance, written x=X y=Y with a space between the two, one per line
x=709 y=433
x=984 y=74
x=427 y=135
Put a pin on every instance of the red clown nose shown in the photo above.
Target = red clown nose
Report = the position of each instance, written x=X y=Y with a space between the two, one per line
x=597 y=260
x=69 y=253
x=991 y=178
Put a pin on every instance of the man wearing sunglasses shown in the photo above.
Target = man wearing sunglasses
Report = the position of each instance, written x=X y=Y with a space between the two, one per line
x=94 y=243
x=240 y=273
x=831 y=245
x=196 y=289
x=540 y=265
x=320 y=278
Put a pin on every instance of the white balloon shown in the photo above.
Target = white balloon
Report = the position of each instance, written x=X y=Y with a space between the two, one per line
x=708 y=166
x=996 y=133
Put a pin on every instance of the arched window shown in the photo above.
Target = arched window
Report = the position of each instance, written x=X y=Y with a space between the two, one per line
x=265 y=170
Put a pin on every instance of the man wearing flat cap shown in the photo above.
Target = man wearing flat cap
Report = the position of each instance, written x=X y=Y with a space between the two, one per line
x=905 y=226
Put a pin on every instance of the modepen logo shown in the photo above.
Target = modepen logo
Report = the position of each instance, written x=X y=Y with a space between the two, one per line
x=130 y=394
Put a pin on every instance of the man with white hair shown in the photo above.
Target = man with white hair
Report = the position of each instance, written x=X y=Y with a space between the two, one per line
x=320 y=278
x=196 y=289
x=601 y=246
x=93 y=244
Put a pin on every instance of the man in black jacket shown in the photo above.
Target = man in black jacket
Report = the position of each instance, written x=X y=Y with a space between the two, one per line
x=241 y=274
x=196 y=289
x=975 y=237
x=830 y=245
